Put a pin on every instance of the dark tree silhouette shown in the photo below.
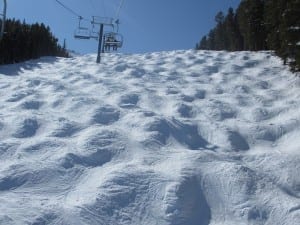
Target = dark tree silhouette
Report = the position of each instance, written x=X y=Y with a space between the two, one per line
x=23 y=41
x=259 y=25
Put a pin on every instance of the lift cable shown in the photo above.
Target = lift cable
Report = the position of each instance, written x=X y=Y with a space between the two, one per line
x=93 y=6
x=71 y=10
x=110 y=40
x=119 y=9
x=104 y=7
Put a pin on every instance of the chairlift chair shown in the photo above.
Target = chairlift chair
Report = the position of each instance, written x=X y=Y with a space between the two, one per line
x=112 y=40
x=82 y=32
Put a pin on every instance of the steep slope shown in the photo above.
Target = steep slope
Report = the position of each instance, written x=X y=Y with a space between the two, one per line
x=183 y=137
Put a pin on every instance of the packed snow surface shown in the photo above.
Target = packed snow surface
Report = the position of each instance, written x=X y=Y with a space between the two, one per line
x=177 y=138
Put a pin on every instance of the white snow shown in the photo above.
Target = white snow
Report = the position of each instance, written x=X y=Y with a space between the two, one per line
x=179 y=138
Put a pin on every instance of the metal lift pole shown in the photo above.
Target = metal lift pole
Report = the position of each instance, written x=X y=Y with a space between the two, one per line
x=100 y=43
x=3 y=19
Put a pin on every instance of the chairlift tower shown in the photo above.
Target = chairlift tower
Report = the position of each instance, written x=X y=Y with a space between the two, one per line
x=102 y=21
x=111 y=40
x=106 y=41
x=3 y=18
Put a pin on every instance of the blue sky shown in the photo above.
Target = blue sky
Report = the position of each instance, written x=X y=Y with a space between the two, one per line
x=147 y=25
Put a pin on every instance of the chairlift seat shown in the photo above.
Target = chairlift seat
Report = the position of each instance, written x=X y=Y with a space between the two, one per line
x=118 y=44
x=94 y=34
x=113 y=39
x=82 y=33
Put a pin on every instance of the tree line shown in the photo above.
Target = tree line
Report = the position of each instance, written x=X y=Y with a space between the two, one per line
x=23 y=41
x=258 y=25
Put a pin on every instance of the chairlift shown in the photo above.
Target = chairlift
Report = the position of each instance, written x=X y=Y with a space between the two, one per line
x=112 y=41
x=82 y=32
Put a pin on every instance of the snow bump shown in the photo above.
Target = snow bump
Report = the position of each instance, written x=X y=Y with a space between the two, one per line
x=180 y=137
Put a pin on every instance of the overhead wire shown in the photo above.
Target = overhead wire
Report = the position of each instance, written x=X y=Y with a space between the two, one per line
x=117 y=43
x=119 y=9
x=71 y=10
x=96 y=7
x=103 y=7
x=93 y=6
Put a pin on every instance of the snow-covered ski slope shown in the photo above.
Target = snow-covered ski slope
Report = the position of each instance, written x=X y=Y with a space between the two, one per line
x=169 y=138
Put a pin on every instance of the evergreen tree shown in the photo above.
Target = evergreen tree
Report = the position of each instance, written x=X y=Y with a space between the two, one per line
x=235 y=41
x=251 y=24
x=221 y=40
x=272 y=17
x=22 y=42
x=289 y=29
x=259 y=25
x=203 y=44
x=211 y=40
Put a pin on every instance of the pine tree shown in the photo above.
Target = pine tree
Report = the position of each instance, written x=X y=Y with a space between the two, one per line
x=203 y=44
x=251 y=24
x=211 y=40
x=259 y=25
x=290 y=33
x=22 y=42
x=234 y=37
x=220 y=38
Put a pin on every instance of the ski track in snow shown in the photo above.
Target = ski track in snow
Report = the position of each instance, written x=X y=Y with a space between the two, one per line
x=179 y=138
